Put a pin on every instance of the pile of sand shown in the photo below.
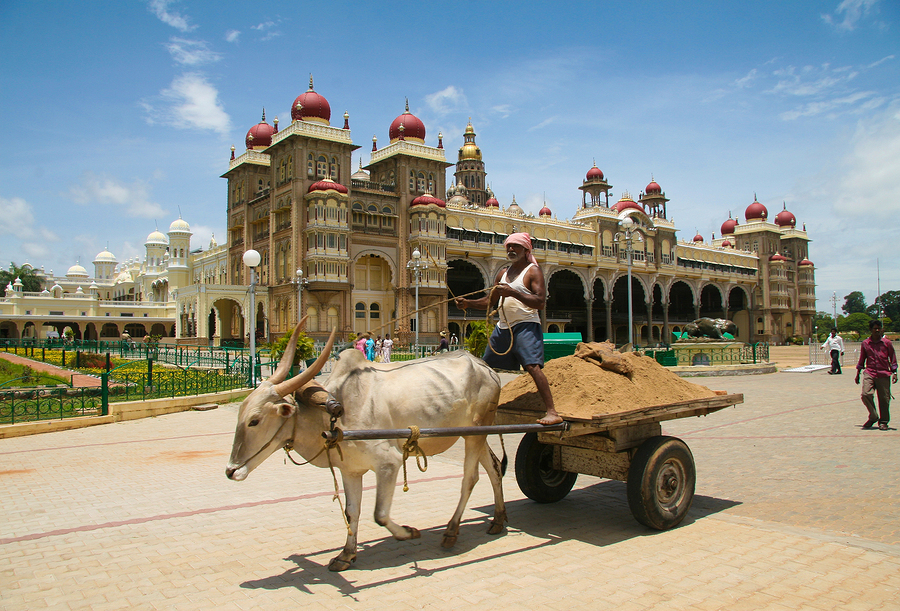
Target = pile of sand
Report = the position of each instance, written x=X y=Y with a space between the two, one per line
x=582 y=389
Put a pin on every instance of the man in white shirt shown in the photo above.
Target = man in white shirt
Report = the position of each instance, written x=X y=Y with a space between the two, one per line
x=835 y=344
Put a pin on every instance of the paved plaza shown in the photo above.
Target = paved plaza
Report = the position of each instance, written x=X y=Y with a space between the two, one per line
x=796 y=508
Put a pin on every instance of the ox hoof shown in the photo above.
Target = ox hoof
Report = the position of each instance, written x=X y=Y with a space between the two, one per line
x=339 y=564
x=413 y=533
x=448 y=541
x=495 y=528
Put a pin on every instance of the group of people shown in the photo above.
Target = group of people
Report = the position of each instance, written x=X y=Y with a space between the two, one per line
x=877 y=366
x=375 y=349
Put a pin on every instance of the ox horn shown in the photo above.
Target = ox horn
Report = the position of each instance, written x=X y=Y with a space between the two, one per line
x=287 y=359
x=289 y=386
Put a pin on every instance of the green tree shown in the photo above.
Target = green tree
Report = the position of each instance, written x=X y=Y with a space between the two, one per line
x=477 y=340
x=32 y=281
x=854 y=303
x=890 y=306
x=305 y=347
x=824 y=323
x=858 y=321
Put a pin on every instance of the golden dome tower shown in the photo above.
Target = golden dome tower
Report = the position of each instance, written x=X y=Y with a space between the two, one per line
x=470 y=168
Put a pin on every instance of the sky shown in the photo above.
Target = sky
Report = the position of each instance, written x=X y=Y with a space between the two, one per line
x=122 y=114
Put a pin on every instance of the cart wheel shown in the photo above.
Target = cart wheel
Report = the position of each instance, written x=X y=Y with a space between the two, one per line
x=537 y=478
x=661 y=482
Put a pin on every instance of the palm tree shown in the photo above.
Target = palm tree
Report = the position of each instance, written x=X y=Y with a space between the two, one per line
x=31 y=278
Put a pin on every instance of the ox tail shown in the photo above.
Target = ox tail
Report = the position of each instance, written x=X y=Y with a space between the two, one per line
x=504 y=461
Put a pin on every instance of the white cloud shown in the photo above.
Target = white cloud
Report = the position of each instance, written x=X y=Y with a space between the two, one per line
x=190 y=102
x=853 y=11
x=741 y=83
x=134 y=199
x=191 y=52
x=811 y=80
x=543 y=123
x=450 y=99
x=17 y=216
x=160 y=8
x=834 y=105
x=232 y=35
x=267 y=28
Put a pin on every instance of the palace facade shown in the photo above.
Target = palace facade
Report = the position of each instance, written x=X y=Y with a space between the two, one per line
x=294 y=197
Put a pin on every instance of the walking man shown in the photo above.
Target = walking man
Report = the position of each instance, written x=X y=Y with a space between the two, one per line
x=835 y=344
x=878 y=358
x=522 y=293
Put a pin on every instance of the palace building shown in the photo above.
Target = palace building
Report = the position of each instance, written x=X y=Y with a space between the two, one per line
x=294 y=197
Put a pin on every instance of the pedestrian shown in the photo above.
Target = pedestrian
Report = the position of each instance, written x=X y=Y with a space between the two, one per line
x=361 y=343
x=521 y=292
x=877 y=357
x=444 y=346
x=835 y=344
x=454 y=341
x=370 y=347
x=378 y=357
x=386 y=346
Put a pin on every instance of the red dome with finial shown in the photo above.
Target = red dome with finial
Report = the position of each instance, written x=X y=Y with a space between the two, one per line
x=492 y=202
x=726 y=244
x=756 y=211
x=545 y=211
x=413 y=128
x=594 y=173
x=785 y=218
x=728 y=226
x=653 y=188
x=311 y=106
x=806 y=262
x=424 y=200
x=260 y=135
x=698 y=238
x=627 y=203
x=777 y=257
x=326 y=184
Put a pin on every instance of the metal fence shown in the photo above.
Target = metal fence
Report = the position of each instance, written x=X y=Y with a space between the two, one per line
x=29 y=405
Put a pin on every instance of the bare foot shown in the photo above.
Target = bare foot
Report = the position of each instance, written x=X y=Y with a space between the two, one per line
x=551 y=417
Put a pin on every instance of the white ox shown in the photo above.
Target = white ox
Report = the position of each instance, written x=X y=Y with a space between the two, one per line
x=451 y=390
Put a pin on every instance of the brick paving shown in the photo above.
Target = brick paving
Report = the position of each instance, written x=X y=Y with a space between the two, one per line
x=796 y=508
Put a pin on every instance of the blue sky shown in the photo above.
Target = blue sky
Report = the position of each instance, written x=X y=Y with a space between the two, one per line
x=120 y=114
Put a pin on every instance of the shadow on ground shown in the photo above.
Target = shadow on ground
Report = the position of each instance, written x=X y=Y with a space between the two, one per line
x=597 y=514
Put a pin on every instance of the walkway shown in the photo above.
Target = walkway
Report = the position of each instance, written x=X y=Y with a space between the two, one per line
x=796 y=508
x=78 y=379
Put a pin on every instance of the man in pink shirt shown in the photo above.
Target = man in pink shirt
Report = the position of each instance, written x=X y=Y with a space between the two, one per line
x=878 y=358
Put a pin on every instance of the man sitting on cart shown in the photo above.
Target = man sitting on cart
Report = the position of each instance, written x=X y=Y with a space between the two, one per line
x=521 y=292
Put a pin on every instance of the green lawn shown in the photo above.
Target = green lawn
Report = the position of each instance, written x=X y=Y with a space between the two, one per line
x=9 y=372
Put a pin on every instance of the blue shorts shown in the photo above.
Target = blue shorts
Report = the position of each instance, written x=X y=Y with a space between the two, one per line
x=528 y=347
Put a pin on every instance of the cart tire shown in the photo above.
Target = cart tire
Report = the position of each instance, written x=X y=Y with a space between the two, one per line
x=661 y=482
x=537 y=478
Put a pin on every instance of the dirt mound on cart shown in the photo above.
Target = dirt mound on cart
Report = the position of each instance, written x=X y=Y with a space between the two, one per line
x=581 y=389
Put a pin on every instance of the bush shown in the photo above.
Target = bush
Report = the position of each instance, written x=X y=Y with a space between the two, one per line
x=478 y=338
x=305 y=348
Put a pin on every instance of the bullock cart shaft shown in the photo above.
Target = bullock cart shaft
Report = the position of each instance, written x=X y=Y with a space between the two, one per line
x=457 y=431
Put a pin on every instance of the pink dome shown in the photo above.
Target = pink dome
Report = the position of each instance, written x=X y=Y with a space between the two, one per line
x=545 y=211
x=413 y=128
x=326 y=184
x=594 y=173
x=785 y=218
x=424 y=200
x=698 y=238
x=777 y=257
x=492 y=202
x=806 y=262
x=311 y=106
x=728 y=226
x=260 y=135
x=726 y=244
x=756 y=211
x=626 y=203
x=653 y=188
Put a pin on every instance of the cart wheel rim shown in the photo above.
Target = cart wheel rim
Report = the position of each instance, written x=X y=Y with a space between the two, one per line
x=550 y=476
x=671 y=484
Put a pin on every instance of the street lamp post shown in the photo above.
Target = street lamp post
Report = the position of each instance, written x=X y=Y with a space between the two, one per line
x=300 y=281
x=627 y=225
x=251 y=260
x=417 y=265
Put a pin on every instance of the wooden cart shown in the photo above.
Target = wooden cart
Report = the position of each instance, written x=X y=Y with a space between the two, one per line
x=626 y=446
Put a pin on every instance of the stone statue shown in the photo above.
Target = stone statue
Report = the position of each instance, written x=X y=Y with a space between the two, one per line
x=710 y=327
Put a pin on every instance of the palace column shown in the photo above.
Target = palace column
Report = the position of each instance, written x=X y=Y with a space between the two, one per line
x=649 y=305
x=590 y=319
x=609 y=328
x=666 y=336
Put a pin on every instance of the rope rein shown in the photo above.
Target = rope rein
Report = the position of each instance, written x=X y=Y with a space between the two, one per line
x=411 y=447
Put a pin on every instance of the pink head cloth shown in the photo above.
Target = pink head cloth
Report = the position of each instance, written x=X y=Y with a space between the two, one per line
x=523 y=240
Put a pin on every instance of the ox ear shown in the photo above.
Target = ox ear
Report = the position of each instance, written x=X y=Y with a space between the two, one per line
x=286 y=410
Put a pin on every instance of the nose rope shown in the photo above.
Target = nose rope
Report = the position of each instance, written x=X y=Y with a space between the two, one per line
x=412 y=447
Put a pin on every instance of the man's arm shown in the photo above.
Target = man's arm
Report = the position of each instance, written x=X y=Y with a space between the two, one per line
x=861 y=363
x=482 y=302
